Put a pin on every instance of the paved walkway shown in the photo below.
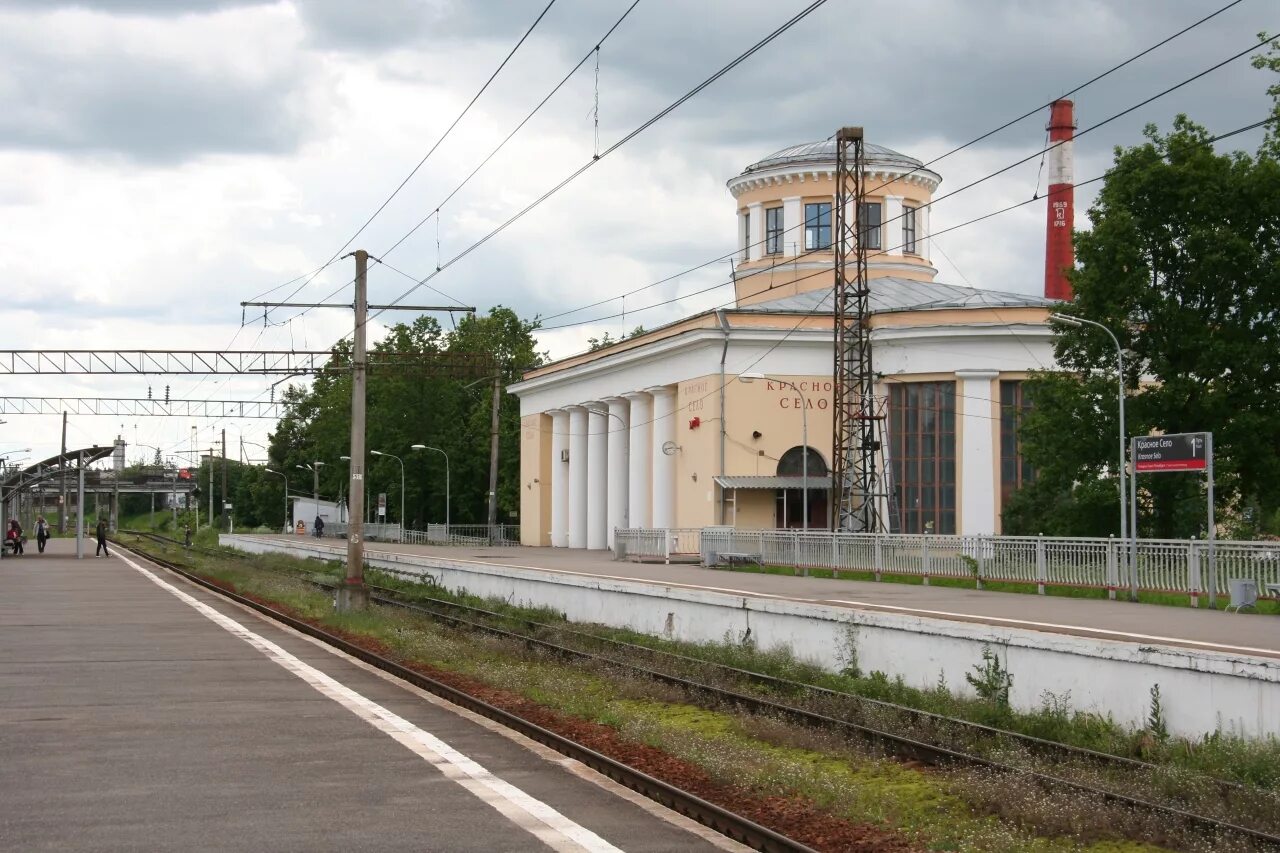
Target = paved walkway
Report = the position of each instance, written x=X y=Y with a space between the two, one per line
x=141 y=712
x=1148 y=624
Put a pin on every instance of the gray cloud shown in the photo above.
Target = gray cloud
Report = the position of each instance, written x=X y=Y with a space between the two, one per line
x=147 y=101
x=164 y=8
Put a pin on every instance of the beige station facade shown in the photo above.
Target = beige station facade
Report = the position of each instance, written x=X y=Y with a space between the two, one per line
x=661 y=430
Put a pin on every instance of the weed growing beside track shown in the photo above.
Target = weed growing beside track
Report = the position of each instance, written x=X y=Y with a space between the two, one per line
x=952 y=809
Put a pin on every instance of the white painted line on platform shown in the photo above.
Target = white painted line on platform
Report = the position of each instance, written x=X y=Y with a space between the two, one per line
x=987 y=620
x=548 y=825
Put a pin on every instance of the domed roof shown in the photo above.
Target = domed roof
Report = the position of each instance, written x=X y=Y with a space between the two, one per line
x=825 y=152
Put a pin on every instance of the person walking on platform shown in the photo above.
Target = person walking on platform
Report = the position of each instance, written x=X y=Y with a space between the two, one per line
x=42 y=533
x=102 y=539
x=319 y=527
x=14 y=536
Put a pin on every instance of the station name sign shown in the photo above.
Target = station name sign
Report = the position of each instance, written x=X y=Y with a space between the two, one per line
x=1186 y=451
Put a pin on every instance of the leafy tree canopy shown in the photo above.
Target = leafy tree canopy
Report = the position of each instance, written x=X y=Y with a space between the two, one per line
x=1183 y=266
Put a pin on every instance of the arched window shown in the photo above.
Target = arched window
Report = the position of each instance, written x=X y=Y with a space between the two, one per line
x=792 y=463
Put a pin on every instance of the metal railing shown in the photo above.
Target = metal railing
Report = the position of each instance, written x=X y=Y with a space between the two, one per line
x=375 y=532
x=1164 y=565
x=469 y=535
x=660 y=543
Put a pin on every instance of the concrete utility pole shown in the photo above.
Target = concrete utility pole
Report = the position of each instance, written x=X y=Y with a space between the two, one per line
x=62 y=507
x=224 y=472
x=493 y=457
x=353 y=594
x=211 y=486
x=80 y=511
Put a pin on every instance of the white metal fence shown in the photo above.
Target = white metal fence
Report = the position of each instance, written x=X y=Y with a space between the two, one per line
x=1170 y=565
x=470 y=535
x=372 y=532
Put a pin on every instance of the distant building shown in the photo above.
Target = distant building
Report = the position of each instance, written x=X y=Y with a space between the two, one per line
x=655 y=432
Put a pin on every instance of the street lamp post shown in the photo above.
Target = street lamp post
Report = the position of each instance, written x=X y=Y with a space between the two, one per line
x=314 y=468
x=1077 y=322
x=748 y=378
x=286 y=495
x=446 y=483
x=401 y=461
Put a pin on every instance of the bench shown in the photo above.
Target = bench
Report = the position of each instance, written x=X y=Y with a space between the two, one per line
x=739 y=558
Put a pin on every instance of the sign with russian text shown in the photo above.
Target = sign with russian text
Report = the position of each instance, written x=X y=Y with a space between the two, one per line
x=1186 y=451
x=382 y=504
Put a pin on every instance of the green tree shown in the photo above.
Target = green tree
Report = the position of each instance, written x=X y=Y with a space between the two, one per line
x=425 y=401
x=1183 y=265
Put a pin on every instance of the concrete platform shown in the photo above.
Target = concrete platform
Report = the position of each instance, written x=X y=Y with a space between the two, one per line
x=1143 y=624
x=141 y=712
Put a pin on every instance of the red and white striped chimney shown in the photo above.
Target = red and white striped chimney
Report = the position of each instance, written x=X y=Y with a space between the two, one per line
x=1059 y=252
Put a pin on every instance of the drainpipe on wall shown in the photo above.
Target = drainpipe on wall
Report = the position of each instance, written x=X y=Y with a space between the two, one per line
x=724 y=352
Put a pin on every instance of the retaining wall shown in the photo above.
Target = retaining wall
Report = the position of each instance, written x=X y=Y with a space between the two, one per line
x=1201 y=691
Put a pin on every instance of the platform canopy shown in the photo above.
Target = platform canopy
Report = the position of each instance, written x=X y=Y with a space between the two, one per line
x=816 y=481
x=24 y=478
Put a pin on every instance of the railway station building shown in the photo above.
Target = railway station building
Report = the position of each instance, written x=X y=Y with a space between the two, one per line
x=703 y=421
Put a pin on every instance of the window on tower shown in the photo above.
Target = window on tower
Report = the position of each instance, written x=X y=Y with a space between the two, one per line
x=817 y=226
x=870 y=216
x=773 y=231
x=909 y=230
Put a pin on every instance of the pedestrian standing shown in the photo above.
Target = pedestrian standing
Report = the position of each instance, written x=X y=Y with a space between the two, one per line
x=14 y=535
x=186 y=536
x=319 y=527
x=102 y=539
x=42 y=532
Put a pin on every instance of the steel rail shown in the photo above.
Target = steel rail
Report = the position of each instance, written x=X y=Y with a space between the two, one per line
x=709 y=814
x=901 y=745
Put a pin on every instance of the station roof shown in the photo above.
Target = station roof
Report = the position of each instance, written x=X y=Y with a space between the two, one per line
x=825 y=152
x=890 y=294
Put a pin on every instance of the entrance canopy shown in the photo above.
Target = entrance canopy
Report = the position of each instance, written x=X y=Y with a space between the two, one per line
x=765 y=482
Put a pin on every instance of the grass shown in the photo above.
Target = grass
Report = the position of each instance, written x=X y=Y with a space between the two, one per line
x=595 y=696
x=1218 y=754
x=1168 y=599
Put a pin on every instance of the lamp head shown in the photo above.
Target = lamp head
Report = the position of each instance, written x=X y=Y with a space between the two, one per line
x=318 y=463
x=303 y=467
x=1064 y=320
x=417 y=447
x=377 y=453
x=748 y=378
x=345 y=458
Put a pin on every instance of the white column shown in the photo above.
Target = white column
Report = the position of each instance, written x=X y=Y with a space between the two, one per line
x=597 y=475
x=618 y=424
x=891 y=225
x=577 y=532
x=979 y=485
x=640 y=463
x=756 y=250
x=922 y=232
x=792 y=225
x=743 y=237
x=559 y=478
x=664 y=464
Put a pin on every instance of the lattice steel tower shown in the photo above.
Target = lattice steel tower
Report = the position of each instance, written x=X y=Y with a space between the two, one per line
x=859 y=416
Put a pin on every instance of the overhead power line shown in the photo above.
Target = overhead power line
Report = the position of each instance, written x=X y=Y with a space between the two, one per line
x=986 y=135
x=797 y=18
x=425 y=157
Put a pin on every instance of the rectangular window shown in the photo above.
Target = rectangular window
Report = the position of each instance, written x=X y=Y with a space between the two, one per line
x=870 y=216
x=909 y=230
x=817 y=226
x=1015 y=472
x=922 y=453
x=746 y=236
x=773 y=231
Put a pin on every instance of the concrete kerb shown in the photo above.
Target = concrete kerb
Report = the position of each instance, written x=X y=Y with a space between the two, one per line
x=1203 y=690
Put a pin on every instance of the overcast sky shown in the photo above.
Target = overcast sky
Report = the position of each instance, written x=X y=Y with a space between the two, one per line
x=162 y=160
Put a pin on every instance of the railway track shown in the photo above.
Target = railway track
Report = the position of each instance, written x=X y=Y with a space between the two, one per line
x=709 y=814
x=899 y=745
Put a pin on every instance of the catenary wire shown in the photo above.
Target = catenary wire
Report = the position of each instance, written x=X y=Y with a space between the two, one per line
x=937 y=159
x=797 y=18
x=817 y=308
x=430 y=151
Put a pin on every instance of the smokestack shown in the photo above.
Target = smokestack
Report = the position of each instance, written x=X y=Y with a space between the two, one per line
x=1059 y=252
